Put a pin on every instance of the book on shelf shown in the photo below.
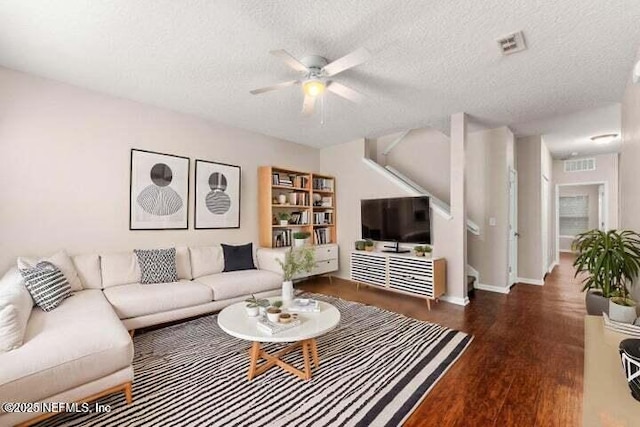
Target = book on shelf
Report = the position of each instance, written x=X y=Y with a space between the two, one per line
x=272 y=328
x=323 y=218
x=323 y=184
x=281 y=238
x=322 y=236
x=299 y=218
x=304 y=305
x=289 y=180
x=326 y=202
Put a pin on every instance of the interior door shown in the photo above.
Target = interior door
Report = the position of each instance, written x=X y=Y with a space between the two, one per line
x=545 y=224
x=513 y=226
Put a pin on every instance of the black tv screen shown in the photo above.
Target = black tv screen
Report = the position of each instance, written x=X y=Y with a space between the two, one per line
x=405 y=219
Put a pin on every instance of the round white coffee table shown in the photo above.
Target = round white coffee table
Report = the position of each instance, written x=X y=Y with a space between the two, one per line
x=234 y=321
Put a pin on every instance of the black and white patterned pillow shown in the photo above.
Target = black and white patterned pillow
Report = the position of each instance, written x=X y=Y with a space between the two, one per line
x=46 y=284
x=157 y=265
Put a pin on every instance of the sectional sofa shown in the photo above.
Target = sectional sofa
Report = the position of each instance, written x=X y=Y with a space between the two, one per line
x=83 y=350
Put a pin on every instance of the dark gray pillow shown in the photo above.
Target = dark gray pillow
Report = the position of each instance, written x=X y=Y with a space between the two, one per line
x=157 y=265
x=46 y=284
x=238 y=257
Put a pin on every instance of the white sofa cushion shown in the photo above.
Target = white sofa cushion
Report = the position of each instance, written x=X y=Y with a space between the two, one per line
x=136 y=300
x=80 y=341
x=60 y=260
x=88 y=268
x=183 y=263
x=237 y=283
x=120 y=268
x=206 y=260
x=15 y=306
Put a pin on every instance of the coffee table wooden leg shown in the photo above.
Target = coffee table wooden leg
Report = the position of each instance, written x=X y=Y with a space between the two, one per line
x=307 y=359
x=255 y=355
x=314 y=352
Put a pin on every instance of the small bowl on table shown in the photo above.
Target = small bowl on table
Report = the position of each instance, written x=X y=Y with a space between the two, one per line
x=285 y=318
x=273 y=314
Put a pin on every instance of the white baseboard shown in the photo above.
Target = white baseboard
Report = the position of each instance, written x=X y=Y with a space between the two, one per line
x=527 y=281
x=491 y=288
x=552 y=266
x=455 y=300
x=566 y=251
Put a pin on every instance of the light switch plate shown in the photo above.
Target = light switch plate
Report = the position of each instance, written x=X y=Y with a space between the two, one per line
x=492 y=222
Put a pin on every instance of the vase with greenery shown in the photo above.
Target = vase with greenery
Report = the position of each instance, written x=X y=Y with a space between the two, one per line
x=284 y=218
x=295 y=262
x=609 y=262
x=300 y=238
x=422 y=250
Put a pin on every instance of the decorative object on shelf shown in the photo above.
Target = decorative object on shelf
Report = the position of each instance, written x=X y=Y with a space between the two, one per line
x=217 y=195
x=273 y=314
x=630 y=356
x=422 y=250
x=255 y=305
x=611 y=261
x=295 y=261
x=285 y=318
x=283 y=218
x=360 y=245
x=300 y=238
x=317 y=199
x=282 y=199
x=369 y=246
x=158 y=191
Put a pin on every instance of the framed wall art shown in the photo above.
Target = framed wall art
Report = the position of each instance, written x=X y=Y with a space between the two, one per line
x=217 y=195
x=159 y=191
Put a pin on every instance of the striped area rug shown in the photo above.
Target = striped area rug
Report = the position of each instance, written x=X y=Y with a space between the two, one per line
x=375 y=368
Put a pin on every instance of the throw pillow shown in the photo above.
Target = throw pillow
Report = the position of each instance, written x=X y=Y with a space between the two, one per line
x=157 y=265
x=15 y=309
x=61 y=260
x=46 y=284
x=238 y=257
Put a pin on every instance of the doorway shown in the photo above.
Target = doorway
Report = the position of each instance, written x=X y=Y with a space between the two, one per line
x=579 y=207
x=513 y=227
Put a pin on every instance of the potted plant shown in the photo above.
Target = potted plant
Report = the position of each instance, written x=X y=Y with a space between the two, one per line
x=295 y=261
x=284 y=218
x=360 y=245
x=611 y=262
x=369 y=246
x=255 y=305
x=300 y=238
x=422 y=250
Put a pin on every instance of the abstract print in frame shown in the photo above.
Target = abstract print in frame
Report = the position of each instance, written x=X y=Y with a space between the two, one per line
x=217 y=195
x=159 y=191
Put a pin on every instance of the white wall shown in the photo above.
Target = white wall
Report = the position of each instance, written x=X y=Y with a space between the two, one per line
x=489 y=157
x=64 y=162
x=630 y=162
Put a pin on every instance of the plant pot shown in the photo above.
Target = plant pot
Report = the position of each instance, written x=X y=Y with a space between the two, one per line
x=622 y=313
x=284 y=222
x=282 y=199
x=369 y=248
x=287 y=292
x=252 y=311
x=596 y=304
x=273 y=314
x=299 y=242
x=359 y=246
x=418 y=253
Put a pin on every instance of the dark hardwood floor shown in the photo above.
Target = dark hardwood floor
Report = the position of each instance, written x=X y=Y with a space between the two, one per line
x=525 y=364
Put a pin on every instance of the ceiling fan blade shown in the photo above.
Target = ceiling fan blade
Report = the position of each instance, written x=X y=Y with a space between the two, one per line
x=308 y=105
x=274 y=87
x=345 y=92
x=289 y=60
x=351 y=60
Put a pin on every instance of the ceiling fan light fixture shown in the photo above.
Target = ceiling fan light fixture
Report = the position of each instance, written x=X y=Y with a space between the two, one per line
x=605 y=138
x=314 y=87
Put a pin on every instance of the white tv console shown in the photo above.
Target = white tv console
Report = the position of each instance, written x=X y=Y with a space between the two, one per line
x=403 y=273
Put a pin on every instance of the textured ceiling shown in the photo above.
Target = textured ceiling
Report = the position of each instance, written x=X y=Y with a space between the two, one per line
x=430 y=58
x=567 y=134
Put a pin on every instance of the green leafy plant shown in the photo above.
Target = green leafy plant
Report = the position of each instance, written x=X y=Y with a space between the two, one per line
x=284 y=216
x=426 y=249
x=276 y=304
x=257 y=302
x=610 y=259
x=301 y=235
x=296 y=261
x=369 y=243
x=360 y=245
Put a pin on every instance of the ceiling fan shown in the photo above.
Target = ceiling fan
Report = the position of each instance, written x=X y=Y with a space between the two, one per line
x=318 y=73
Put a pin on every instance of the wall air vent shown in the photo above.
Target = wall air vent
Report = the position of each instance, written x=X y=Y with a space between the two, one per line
x=580 y=165
x=512 y=43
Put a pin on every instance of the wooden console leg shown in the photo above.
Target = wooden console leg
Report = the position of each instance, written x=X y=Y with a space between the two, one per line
x=255 y=355
x=429 y=304
x=128 y=394
x=357 y=286
x=330 y=279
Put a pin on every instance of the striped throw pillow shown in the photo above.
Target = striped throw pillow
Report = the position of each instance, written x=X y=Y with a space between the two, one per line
x=157 y=265
x=46 y=284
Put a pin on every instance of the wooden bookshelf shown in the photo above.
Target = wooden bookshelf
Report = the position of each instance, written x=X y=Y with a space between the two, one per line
x=310 y=199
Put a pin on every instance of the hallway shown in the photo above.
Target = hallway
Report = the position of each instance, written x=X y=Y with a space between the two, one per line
x=525 y=365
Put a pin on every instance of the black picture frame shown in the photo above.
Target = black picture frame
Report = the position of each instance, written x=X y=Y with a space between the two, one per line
x=161 y=191
x=217 y=200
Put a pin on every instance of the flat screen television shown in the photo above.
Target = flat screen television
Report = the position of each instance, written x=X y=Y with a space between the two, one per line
x=404 y=219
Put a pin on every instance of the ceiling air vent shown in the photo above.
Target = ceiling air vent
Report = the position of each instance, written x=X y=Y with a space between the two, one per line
x=580 y=165
x=512 y=43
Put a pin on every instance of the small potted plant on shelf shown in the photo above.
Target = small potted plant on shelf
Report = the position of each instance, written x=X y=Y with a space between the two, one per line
x=360 y=244
x=284 y=217
x=609 y=262
x=422 y=250
x=369 y=246
x=295 y=262
x=255 y=306
x=300 y=238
